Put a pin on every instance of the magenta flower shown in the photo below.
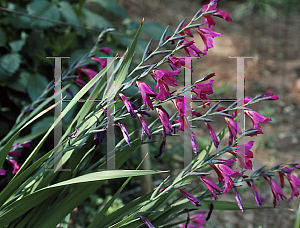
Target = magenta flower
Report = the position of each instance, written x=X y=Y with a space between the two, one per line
x=73 y=135
x=276 y=190
x=256 y=119
x=15 y=165
x=105 y=50
x=233 y=129
x=259 y=200
x=89 y=72
x=269 y=94
x=209 y=19
x=193 y=140
x=244 y=155
x=209 y=184
x=14 y=153
x=164 y=118
x=224 y=175
x=196 y=221
x=147 y=222
x=127 y=104
x=79 y=82
x=212 y=134
x=207 y=36
x=190 y=197
x=232 y=126
x=124 y=132
x=180 y=106
x=163 y=79
x=2 y=172
x=146 y=92
x=102 y=62
x=293 y=180
x=190 y=48
x=186 y=32
x=238 y=199
x=177 y=61
x=144 y=126
x=203 y=89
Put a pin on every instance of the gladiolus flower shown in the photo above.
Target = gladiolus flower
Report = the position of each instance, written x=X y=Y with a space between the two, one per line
x=256 y=119
x=177 y=62
x=144 y=126
x=196 y=221
x=186 y=32
x=207 y=36
x=147 y=222
x=105 y=50
x=180 y=106
x=190 y=48
x=276 y=190
x=259 y=200
x=208 y=17
x=127 y=104
x=190 y=197
x=193 y=141
x=212 y=134
x=238 y=199
x=209 y=184
x=164 y=118
x=232 y=126
x=269 y=94
x=203 y=89
x=2 y=172
x=225 y=173
x=89 y=72
x=15 y=165
x=146 y=92
x=293 y=180
x=244 y=155
x=102 y=62
x=125 y=133
x=163 y=79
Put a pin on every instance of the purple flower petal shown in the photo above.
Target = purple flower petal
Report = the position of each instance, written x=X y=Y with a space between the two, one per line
x=127 y=104
x=147 y=222
x=125 y=133
x=190 y=197
x=238 y=199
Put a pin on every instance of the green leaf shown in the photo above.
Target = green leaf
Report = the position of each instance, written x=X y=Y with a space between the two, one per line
x=45 y=9
x=17 y=45
x=127 y=61
x=2 y=38
x=97 y=221
x=36 y=86
x=42 y=126
x=10 y=62
x=111 y=6
x=297 y=220
x=68 y=13
x=94 y=20
x=21 y=206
